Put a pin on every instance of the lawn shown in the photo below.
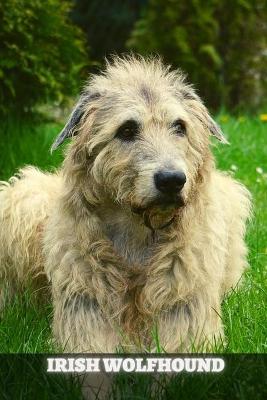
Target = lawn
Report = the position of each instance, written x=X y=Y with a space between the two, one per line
x=25 y=327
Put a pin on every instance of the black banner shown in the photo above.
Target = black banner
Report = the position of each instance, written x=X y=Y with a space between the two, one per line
x=236 y=376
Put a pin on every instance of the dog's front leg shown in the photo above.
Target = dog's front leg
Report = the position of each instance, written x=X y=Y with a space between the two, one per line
x=88 y=283
x=85 y=305
x=194 y=325
x=79 y=325
x=185 y=300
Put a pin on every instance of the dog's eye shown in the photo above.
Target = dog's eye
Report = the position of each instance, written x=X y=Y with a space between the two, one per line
x=178 y=127
x=128 y=131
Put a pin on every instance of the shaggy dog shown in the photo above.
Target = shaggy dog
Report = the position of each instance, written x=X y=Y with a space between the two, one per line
x=138 y=233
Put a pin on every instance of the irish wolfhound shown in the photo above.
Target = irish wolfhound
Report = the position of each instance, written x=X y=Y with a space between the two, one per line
x=138 y=233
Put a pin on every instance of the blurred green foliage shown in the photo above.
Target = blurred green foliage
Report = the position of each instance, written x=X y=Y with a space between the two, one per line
x=107 y=24
x=222 y=46
x=42 y=53
x=45 y=46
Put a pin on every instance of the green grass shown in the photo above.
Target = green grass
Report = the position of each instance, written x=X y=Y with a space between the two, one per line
x=23 y=143
x=25 y=326
x=244 y=312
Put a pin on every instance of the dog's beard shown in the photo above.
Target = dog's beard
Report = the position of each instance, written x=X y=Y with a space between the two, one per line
x=159 y=215
x=155 y=218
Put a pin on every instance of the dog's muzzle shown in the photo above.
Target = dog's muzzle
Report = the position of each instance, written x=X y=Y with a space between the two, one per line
x=161 y=213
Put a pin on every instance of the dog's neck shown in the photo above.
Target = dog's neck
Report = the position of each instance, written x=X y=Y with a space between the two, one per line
x=131 y=238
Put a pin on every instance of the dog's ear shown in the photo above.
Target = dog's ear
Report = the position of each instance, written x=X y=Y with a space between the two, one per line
x=198 y=109
x=71 y=127
x=215 y=129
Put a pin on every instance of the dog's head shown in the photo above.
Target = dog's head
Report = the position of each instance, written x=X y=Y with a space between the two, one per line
x=141 y=138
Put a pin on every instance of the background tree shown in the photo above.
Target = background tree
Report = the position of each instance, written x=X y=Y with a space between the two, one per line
x=219 y=45
x=107 y=24
x=42 y=53
x=242 y=45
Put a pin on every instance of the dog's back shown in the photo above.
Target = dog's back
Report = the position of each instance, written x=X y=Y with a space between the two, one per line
x=25 y=204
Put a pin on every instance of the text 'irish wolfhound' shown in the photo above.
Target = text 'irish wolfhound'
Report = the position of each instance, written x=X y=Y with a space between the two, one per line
x=138 y=234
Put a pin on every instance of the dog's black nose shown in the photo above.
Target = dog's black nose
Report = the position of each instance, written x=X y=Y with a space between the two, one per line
x=169 y=182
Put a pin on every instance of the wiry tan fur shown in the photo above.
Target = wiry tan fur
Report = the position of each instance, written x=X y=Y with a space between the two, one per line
x=113 y=278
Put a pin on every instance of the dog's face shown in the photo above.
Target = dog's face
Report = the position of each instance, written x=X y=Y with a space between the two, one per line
x=146 y=136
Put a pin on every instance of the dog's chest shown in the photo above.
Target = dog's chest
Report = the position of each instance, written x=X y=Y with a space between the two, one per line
x=130 y=249
x=131 y=242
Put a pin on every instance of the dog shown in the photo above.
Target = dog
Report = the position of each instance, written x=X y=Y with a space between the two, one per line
x=138 y=235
